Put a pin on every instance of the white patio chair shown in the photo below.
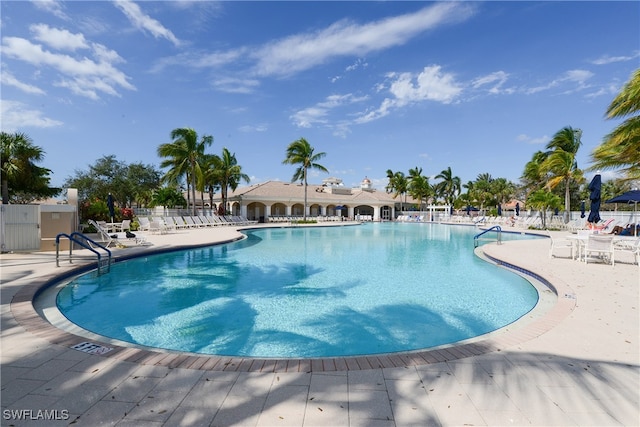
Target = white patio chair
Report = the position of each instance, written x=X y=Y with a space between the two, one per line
x=600 y=245
x=560 y=243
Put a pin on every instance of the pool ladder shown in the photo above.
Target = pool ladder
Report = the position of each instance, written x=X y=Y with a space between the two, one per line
x=495 y=228
x=104 y=263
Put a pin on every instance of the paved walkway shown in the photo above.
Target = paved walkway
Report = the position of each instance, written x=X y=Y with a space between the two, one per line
x=577 y=363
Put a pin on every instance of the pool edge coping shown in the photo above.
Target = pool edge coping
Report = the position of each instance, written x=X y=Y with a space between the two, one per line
x=26 y=315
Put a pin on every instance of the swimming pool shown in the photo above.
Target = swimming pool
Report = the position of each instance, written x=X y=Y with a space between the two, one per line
x=305 y=292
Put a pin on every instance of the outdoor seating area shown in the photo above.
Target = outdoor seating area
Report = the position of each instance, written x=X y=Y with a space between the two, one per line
x=590 y=245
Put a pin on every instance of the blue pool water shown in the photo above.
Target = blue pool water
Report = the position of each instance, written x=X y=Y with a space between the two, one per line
x=305 y=292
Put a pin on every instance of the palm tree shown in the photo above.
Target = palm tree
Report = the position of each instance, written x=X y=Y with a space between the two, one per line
x=449 y=186
x=502 y=190
x=419 y=187
x=482 y=189
x=561 y=163
x=209 y=176
x=300 y=152
x=543 y=200
x=228 y=174
x=620 y=148
x=184 y=156
x=18 y=158
x=534 y=177
x=398 y=184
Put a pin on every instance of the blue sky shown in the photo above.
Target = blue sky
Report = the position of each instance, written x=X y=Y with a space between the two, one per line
x=478 y=86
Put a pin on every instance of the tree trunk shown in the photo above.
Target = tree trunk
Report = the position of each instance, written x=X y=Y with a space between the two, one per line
x=304 y=212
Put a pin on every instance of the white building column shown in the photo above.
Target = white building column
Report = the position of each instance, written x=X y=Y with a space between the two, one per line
x=376 y=213
x=243 y=211
x=267 y=212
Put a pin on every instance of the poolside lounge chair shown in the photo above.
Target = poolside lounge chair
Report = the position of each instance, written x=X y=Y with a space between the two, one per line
x=602 y=226
x=144 y=223
x=117 y=239
x=123 y=226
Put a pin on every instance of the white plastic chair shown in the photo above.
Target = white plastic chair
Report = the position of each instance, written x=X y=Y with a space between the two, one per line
x=601 y=245
x=560 y=243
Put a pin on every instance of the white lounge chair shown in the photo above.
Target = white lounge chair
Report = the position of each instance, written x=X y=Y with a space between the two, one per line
x=117 y=239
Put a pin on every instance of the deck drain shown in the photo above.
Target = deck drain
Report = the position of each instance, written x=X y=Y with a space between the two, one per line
x=91 y=348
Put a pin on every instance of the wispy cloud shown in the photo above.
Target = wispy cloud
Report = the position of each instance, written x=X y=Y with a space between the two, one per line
x=608 y=59
x=576 y=77
x=83 y=76
x=359 y=63
x=235 y=85
x=345 y=38
x=531 y=140
x=317 y=114
x=52 y=6
x=9 y=79
x=144 y=22
x=16 y=116
x=494 y=81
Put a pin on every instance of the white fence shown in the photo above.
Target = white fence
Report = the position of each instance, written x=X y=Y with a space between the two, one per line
x=19 y=228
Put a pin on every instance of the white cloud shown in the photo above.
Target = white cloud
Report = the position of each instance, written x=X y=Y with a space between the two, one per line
x=431 y=84
x=58 y=39
x=51 y=6
x=607 y=59
x=344 y=38
x=572 y=76
x=8 y=79
x=253 y=128
x=82 y=75
x=235 y=85
x=306 y=117
x=15 y=116
x=530 y=140
x=495 y=80
x=145 y=22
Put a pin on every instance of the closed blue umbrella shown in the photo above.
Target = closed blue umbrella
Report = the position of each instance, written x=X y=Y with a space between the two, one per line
x=110 y=206
x=582 y=215
x=594 y=186
x=517 y=209
x=499 y=210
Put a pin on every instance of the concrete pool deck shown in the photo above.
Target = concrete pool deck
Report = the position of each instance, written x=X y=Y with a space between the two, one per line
x=576 y=365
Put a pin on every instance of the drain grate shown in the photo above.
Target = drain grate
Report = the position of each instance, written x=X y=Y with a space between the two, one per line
x=91 y=348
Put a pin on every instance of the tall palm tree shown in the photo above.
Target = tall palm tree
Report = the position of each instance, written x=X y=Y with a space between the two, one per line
x=419 y=186
x=301 y=153
x=210 y=180
x=398 y=184
x=449 y=186
x=620 y=148
x=561 y=163
x=482 y=189
x=534 y=177
x=228 y=174
x=184 y=156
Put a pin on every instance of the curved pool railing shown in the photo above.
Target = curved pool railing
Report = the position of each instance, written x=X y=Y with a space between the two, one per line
x=495 y=228
x=86 y=243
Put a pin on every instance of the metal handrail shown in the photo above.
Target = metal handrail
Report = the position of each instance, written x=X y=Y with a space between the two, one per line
x=495 y=228
x=86 y=243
